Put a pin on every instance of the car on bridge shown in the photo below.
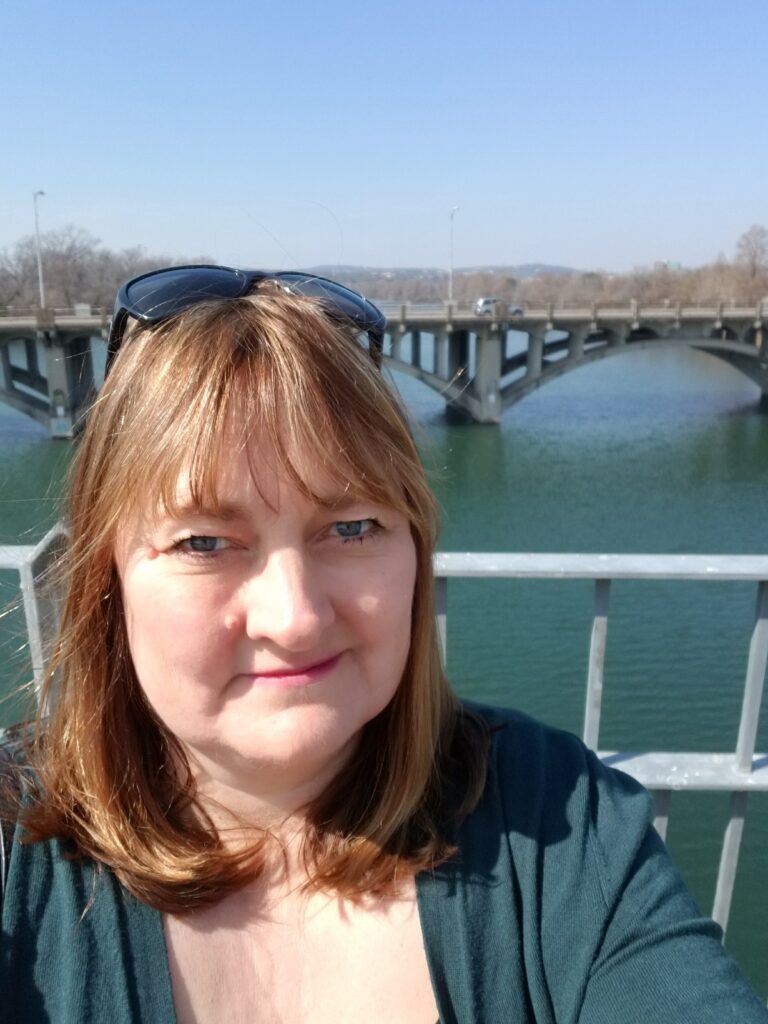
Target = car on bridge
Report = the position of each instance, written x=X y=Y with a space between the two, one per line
x=488 y=306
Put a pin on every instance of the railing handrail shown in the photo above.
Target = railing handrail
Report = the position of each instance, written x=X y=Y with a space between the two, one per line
x=545 y=565
x=667 y=309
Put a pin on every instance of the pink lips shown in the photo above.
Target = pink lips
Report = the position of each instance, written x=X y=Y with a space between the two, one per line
x=303 y=676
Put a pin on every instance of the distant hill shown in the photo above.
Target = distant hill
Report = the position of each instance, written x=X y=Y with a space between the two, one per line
x=429 y=284
x=521 y=271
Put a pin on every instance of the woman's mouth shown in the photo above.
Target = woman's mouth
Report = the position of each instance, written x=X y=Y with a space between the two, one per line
x=303 y=675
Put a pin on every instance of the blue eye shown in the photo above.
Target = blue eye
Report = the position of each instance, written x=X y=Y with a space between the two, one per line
x=349 y=529
x=201 y=545
x=360 y=530
x=354 y=529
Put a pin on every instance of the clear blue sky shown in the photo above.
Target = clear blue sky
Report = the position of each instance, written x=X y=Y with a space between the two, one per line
x=593 y=133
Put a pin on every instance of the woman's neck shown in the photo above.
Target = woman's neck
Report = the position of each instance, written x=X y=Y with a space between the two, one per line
x=264 y=797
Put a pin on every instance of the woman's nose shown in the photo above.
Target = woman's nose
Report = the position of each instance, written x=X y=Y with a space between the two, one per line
x=288 y=602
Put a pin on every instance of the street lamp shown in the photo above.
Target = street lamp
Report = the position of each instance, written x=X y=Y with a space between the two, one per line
x=35 y=196
x=452 y=214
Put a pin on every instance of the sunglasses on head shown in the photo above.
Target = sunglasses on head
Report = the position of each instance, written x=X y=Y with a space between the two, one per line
x=160 y=294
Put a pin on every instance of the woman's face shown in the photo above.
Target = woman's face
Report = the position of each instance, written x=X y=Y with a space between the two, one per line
x=267 y=634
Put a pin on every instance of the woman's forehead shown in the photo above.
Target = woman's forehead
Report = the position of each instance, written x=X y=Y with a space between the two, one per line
x=256 y=470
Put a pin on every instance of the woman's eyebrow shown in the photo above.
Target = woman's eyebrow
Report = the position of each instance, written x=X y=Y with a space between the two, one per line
x=341 y=501
x=226 y=510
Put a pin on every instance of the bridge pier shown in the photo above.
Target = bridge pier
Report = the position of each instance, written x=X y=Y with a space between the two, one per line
x=69 y=373
x=735 y=334
x=576 y=339
x=5 y=362
x=397 y=335
x=443 y=353
x=485 y=385
x=535 y=357
x=60 y=419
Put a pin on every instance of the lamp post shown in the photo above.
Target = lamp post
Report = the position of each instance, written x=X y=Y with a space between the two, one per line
x=451 y=215
x=35 y=197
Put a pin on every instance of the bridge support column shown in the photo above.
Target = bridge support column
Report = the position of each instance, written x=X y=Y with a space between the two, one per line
x=487 y=375
x=535 y=354
x=397 y=342
x=443 y=353
x=576 y=340
x=70 y=377
x=5 y=358
x=60 y=419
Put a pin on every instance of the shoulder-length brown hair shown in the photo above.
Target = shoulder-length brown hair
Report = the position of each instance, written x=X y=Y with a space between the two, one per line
x=112 y=778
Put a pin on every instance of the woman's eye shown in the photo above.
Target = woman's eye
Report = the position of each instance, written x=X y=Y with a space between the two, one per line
x=199 y=544
x=355 y=529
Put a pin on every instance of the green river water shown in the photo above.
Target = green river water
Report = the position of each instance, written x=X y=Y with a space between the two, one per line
x=652 y=451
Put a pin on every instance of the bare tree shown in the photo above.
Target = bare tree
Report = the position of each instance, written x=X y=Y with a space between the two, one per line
x=76 y=268
x=752 y=250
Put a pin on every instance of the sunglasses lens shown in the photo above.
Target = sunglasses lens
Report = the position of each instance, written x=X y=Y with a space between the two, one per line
x=336 y=297
x=158 y=296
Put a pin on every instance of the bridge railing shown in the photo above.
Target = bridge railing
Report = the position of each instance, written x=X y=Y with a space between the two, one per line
x=83 y=309
x=705 y=308
x=738 y=772
x=666 y=310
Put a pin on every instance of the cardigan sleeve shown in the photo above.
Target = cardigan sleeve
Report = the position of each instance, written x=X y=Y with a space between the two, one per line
x=656 y=957
x=610 y=934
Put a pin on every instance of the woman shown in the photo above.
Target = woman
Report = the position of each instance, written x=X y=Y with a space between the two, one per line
x=255 y=797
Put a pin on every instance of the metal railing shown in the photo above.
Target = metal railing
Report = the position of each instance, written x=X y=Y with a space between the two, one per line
x=692 y=308
x=739 y=772
x=81 y=309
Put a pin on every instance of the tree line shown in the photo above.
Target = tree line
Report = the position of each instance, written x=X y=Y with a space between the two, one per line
x=78 y=268
x=742 y=280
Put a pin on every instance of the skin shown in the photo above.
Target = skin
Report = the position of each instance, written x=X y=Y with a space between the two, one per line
x=266 y=635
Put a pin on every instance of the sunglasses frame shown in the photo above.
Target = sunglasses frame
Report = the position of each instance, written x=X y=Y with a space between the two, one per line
x=340 y=302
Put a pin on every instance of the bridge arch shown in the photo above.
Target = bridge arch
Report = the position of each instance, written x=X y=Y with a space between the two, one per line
x=466 y=358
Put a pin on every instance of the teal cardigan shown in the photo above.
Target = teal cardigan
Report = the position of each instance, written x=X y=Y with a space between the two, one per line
x=560 y=907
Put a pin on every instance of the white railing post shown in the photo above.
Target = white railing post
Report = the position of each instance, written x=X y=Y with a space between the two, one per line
x=754 y=682
x=595 y=671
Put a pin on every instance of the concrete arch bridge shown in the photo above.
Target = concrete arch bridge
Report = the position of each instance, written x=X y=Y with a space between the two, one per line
x=468 y=360
x=48 y=372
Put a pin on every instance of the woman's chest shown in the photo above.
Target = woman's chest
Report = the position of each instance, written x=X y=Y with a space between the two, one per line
x=307 y=959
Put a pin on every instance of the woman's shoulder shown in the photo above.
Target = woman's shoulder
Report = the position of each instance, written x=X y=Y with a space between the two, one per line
x=544 y=782
x=517 y=737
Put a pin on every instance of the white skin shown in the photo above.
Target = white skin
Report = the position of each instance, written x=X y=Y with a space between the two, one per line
x=265 y=637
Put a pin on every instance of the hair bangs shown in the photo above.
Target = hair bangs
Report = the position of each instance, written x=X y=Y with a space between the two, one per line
x=267 y=376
